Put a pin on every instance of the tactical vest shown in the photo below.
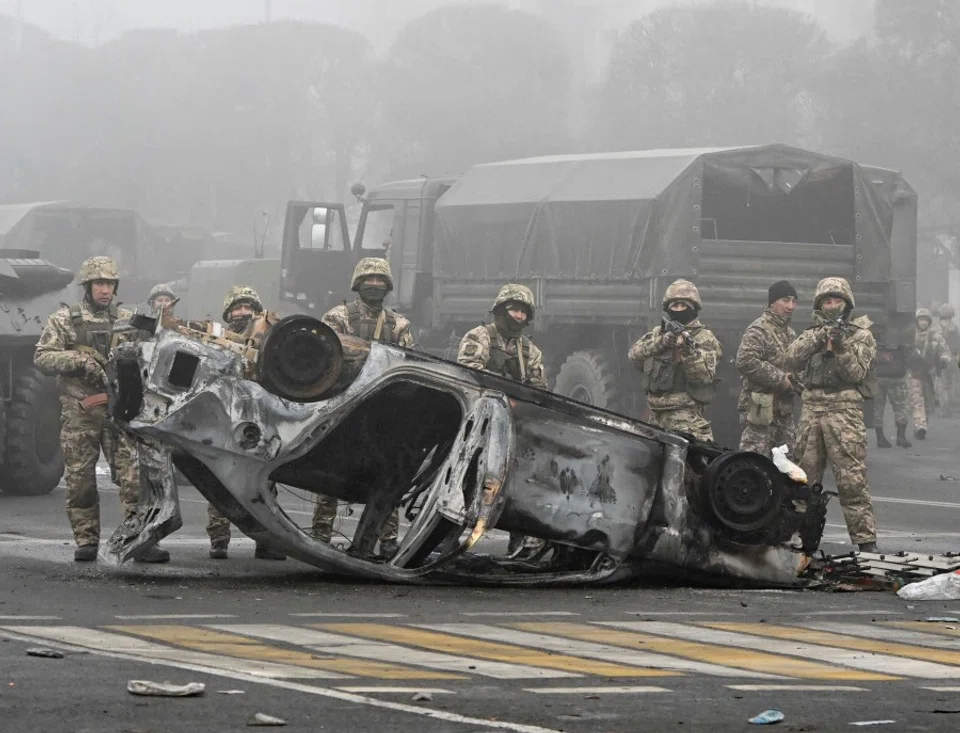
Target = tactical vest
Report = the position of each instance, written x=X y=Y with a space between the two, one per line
x=891 y=362
x=665 y=375
x=98 y=335
x=512 y=366
x=822 y=373
x=366 y=327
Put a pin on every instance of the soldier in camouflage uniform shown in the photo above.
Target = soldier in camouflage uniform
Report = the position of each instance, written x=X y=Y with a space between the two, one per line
x=367 y=318
x=240 y=305
x=161 y=296
x=891 y=371
x=835 y=368
x=74 y=347
x=948 y=377
x=680 y=370
x=501 y=348
x=766 y=400
x=931 y=355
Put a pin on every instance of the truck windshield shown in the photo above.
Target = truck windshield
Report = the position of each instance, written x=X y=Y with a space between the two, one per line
x=377 y=231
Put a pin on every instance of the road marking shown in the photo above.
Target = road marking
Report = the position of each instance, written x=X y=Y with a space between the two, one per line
x=162 y=616
x=680 y=613
x=942 y=689
x=422 y=637
x=29 y=618
x=232 y=645
x=847 y=613
x=885 y=633
x=399 y=690
x=593 y=690
x=926 y=627
x=349 y=615
x=558 y=641
x=329 y=692
x=734 y=660
x=797 y=688
x=840 y=657
x=518 y=613
x=891 y=657
x=339 y=645
x=916 y=502
x=130 y=648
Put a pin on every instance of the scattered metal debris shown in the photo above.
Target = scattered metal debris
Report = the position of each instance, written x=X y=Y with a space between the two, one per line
x=47 y=653
x=859 y=571
x=265 y=720
x=165 y=689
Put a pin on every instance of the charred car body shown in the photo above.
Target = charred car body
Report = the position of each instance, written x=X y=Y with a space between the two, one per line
x=459 y=451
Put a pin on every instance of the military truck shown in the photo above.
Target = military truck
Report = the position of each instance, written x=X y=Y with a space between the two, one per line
x=599 y=237
x=31 y=462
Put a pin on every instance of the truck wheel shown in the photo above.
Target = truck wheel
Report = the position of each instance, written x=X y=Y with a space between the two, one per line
x=589 y=376
x=34 y=461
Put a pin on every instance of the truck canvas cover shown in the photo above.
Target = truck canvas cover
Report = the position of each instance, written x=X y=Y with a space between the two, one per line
x=623 y=216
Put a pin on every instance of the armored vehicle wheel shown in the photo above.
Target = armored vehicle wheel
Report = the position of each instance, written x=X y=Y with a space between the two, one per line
x=34 y=461
x=590 y=377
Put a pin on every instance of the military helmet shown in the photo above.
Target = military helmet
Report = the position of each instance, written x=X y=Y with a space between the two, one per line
x=946 y=311
x=516 y=293
x=836 y=286
x=372 y=266
x=98 y=268
x=161 y=289
x=682 y=290
x=923 y=313
x=240 y=294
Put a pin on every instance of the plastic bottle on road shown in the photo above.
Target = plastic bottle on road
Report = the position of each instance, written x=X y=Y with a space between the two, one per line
x=943 y=587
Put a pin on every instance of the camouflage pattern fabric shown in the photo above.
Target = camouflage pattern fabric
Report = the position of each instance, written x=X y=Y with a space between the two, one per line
x=98 y=268
x=371 y=266
x=241 y=294
x=518 y=294
x=683 y=290
x=161 y=289
x=325 y=512
x=760 y=361
x=339 y=320
x=684 y=420
x=839 y=436
x=82 y=436
x=916 y=400
x=894 y=391
x=831 y=425
x=218 y=526
x=698 y=365
x=474 y=352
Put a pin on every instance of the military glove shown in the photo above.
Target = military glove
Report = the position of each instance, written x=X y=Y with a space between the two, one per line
x=668 y=340
x=93 y=371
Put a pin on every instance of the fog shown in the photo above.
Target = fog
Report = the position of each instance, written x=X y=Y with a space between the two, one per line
x=214 y=113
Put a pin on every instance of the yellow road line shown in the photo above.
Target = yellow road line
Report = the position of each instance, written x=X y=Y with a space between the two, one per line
x=844 y=641
x=241 y=647
x=452 y=644
x=927 y=627
x=727 y=656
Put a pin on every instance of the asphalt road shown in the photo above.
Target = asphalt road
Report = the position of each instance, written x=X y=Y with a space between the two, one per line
x=332 y=655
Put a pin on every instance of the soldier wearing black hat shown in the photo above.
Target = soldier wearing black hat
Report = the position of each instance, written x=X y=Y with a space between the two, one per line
x=766 y=399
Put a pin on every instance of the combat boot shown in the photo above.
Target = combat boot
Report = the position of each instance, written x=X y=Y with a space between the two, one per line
x=868 y=547
x=152 y=554
x=265 y=552
x=902 y=441
x=85 y=553
x=920 y=433
x=882 y=441
x=218 y=550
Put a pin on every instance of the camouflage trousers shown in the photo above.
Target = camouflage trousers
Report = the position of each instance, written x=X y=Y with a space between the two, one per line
x=326 y=511
x=218 y=526
x=764 y=438
x=917 y=398
x=684 y=420
x=894 y=390
x=839 y=437
x=83 y=434
x=946 y=383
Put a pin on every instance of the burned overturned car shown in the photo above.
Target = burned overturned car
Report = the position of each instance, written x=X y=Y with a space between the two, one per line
x=459 y=452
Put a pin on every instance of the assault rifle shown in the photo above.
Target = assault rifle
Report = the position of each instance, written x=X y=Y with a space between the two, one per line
x=680 y=331
x=837 y=328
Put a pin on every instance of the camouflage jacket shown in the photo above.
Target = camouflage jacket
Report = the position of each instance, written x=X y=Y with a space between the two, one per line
x=57 y=355
x=339 y=320
x=932 y=351
x=698 y=366
x=760 y=360
x=475 y=348
x=951 y=335
x=854 y=358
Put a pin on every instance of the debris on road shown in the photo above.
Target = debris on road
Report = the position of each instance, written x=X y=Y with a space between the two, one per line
x=231 y=692
x=767 y=717
x=265 y=720
x=165 y=689
x=47 y=653
x=873 y=722
x=945 y=587
x=422 y=696
x=860 y=571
